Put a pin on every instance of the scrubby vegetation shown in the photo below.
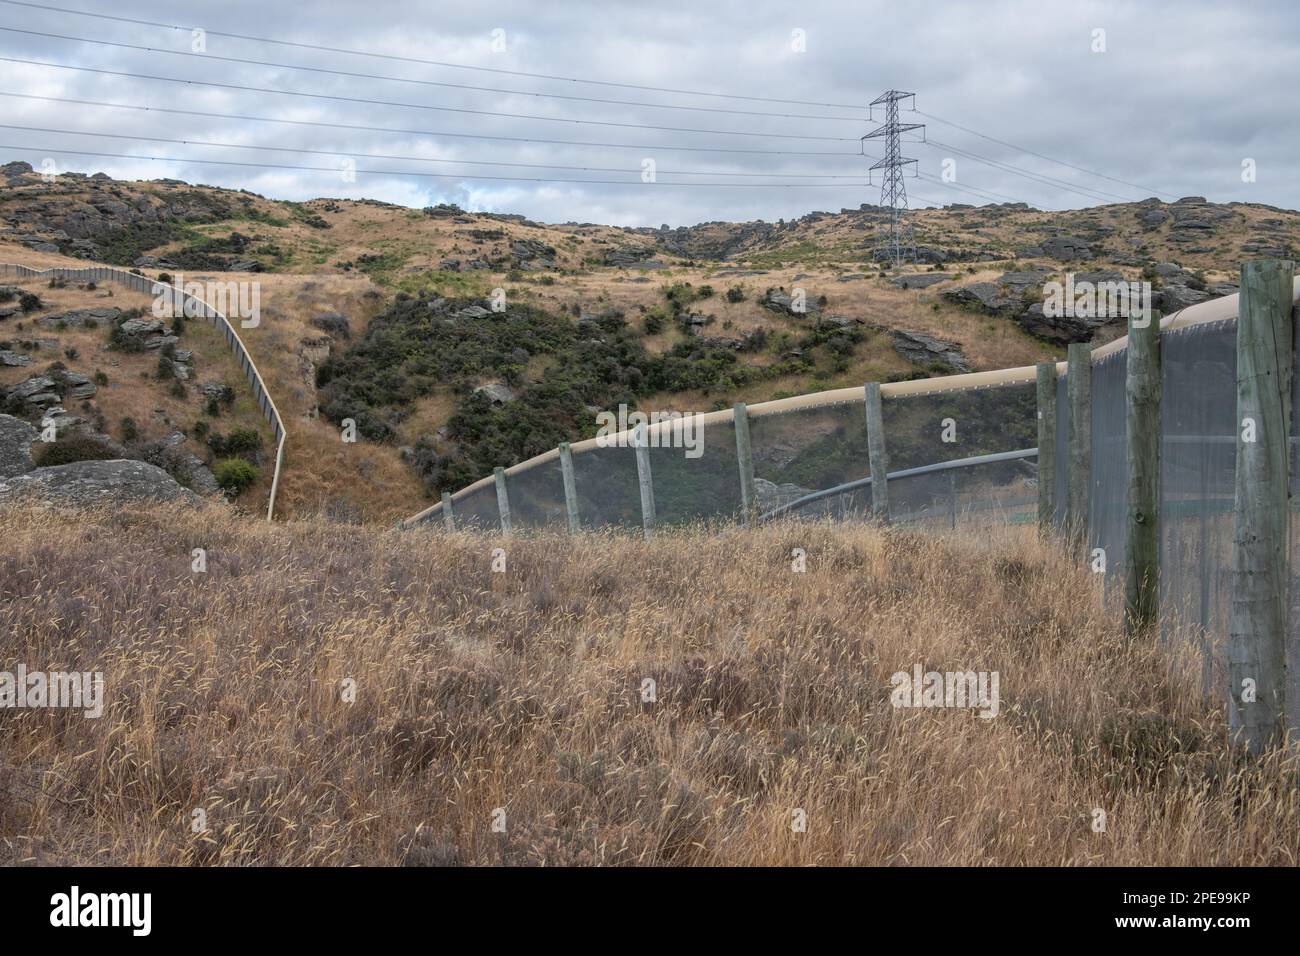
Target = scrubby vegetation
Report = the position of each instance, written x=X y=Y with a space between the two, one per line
x=73 y=446
x=527 y=691
x=422 y=344
x=234 y=475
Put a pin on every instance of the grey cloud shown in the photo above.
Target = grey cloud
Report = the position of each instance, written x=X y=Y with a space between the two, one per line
x=1182 y=95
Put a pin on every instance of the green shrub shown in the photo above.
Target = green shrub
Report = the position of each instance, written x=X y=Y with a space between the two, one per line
x=241 y=441
x=29 y=302
x=130 y=431
x=74 y=446
x=234 y=475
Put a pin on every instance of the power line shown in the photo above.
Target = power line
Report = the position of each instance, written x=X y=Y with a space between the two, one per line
x=471 y=162
x=418 y=132
x=974 y=190
x=983 y=193
x=403 y=79
x=1042 y=179
x=414 y=159
x=417 y=106
x=1050 y=159
x=440 y=63
x=400 y=172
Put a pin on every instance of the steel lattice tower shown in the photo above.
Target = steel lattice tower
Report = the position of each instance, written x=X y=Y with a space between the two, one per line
x=895 y=243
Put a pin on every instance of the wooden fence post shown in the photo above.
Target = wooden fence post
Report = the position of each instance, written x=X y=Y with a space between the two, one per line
x=1258 y=621
x=1142 y=430
x=570 y=487
x=641 y=441
x=745 y=460
x=503 y=500
x=1079 y=444
x=1046 y=446
x=878 y=458
x=448 y=514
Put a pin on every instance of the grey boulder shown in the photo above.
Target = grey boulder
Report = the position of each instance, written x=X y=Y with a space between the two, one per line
x=96 y=482
x=16 y=437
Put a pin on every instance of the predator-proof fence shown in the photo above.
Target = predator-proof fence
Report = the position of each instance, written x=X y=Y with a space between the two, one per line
x=1017 y=445
x=195 y=307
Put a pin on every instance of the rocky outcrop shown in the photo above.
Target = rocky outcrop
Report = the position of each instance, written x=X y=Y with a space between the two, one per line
x=79 y=318
x=1066 y=248
x=37 y=391
x=496 y=393
x=1152 y=218
x=928 y=350
x=16 y=437
x=778 y=300
x=1180 y=288
x=50 y=388
x=983 y=296
x=95 y=483
x=920 y=280
x=532 y=255
x=1063 y=329
x=1197 y=215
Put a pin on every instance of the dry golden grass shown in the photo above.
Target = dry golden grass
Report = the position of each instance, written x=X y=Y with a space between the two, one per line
x=521 y=690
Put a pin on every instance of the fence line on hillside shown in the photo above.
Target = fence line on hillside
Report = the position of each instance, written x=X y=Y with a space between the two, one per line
x=141 y=283
x=1138 y=458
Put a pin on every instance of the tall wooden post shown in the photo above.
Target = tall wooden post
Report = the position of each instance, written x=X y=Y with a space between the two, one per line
x=1078 y=473
x=448 y=514
x=570 y=487
x=503 y=500
x=878 y=459
x=641 y=440
x=1258 y=623
x=1046 y=446
x=745 y=460
x=1142 y=431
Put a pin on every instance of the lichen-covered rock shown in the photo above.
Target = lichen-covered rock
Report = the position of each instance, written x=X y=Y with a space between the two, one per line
x=95 y=483
x=920 y=280
x=928 y=350
x=16 y=437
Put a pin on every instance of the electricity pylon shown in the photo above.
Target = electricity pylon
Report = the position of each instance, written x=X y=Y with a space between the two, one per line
x=896 y=242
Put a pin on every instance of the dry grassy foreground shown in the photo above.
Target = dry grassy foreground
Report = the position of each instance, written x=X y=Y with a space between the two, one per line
x=522 y=690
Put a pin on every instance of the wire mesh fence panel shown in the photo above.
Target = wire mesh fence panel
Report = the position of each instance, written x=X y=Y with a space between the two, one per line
x=537 y=496
x=1108 y=476
x=477 y=511
x=696 y=481
x=607 y=488
x=808 y=449
x=1198 y=410
x=977 y=495
x=849 y=505
x=1293 y=595
x=937 y=426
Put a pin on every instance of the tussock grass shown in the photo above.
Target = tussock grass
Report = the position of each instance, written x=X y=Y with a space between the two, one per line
x=522 y=690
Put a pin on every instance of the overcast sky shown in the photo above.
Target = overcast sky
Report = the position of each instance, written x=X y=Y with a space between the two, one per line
x=1170 y=98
